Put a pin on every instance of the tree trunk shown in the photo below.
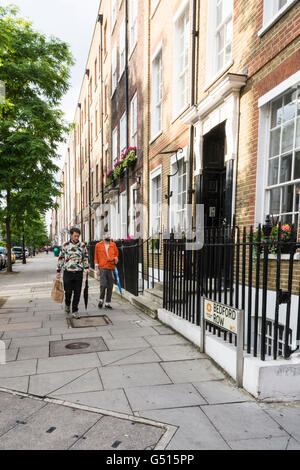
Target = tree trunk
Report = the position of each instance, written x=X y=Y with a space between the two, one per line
x=23 y=247
x=8 y=234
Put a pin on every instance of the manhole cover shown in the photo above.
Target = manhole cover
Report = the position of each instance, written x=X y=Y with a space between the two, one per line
x=85 y=322
x=77 y=346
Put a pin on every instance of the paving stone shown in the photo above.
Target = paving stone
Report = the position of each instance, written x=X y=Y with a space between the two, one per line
x=192 y=371
x=127 y=434
x=46 y=384
x=33 y=341
x=164 y=330
x=76 y=333
x=255 y=422
x=133 y=332
x=112 y=400
x=195 y=430
x=28 y=319
x=56 y=364
x=293 y=445
x=21 y=326
x=19 y=384
x=49 y=428
x=33 y=352
x=178 y=352
x=13 y=409
x=163 y=396
x=166 y=340
x=68 y=347
x=87 y=382
x=27 y=333
x=11 y=355
x=216 y=392
x=265 y=443
x=287 y=415
x=132 y=376
x=18 y=368
x=128 y=356
x=125 y=343
x=55 y=323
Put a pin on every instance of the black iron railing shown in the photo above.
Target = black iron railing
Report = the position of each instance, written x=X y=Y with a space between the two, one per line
x=235 y=267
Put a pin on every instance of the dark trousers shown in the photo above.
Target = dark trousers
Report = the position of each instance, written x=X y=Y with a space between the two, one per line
x=106 y=284
x=72 y=283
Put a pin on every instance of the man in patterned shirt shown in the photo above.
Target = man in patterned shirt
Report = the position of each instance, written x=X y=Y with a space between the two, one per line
x=73 y=259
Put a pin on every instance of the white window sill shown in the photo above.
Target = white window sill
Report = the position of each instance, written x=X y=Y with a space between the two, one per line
x=218 y=75
x=155 y=137
x=274 y=20
x=285 y=256
x=180 y=112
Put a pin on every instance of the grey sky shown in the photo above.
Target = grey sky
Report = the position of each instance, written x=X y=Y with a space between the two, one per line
x=72 y=21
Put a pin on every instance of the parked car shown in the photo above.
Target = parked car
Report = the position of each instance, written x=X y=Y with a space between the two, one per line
x=3 y=257
x=26 y=252
x=17 y=250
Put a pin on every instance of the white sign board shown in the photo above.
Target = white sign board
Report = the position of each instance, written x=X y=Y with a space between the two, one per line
x=221 y=315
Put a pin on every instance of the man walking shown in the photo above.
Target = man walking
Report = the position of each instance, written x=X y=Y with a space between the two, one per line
x=106 y=257
x=74 y=260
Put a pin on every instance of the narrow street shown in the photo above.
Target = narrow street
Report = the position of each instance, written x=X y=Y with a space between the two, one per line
x=142 y=387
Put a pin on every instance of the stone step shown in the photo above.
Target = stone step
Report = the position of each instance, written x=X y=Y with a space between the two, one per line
x=146 y=305
x=155 y=294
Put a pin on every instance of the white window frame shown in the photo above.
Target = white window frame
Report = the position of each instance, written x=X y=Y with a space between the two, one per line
x=113 y=14
x=133 y=15
x=157 y=172
x=133 y=126
x=183 y=46
x=114 y=76
x=123 y=126
x=114 y=146
x=272 y=13
x=264 y=103
x=175 y=216
x=212 y=69
x=156 y=73
x=123 y=215
x=122 y=49
x=132 y=211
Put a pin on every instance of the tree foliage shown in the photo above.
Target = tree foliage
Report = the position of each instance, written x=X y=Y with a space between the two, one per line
x=36 y=71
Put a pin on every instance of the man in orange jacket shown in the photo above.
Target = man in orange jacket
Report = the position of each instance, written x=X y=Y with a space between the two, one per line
x=106 y=257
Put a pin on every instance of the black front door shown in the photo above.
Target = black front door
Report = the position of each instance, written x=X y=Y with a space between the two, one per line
x=214 y=177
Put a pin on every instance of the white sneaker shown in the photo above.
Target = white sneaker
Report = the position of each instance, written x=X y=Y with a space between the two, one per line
x=108 y=306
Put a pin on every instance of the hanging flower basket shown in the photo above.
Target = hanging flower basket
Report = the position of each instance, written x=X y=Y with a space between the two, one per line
x=129 y=159
x=286 y=237
x=118 y=169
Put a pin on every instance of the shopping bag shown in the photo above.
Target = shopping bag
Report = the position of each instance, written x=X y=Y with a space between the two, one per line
x=57 y=293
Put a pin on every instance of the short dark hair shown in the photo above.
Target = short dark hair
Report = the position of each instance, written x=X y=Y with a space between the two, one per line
x=74 y=229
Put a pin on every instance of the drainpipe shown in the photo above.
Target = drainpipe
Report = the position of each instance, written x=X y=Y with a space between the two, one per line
x=87 y=72
x=80 y=162
x=100 y=19
x=195 y=34
x=127 y=109
x=75 y=174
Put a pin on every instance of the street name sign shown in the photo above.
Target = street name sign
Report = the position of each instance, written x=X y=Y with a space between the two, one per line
x=221 y=315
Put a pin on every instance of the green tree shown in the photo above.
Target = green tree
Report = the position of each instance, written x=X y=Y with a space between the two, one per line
x=36 y=71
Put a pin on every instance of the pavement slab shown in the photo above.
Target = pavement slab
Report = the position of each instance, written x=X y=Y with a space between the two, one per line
x=166 y=340
x=27 y=333
x=221 y=391
x=61 y=363
x=49 y=428
x=125 y=343
x=286 y=415
x=192 y=371
x=238 y=421
x=33 y=352
x=265 y=443
x=128 y=356
x=133 y=332
x=15 y=383
x=132 y=376
x=178 y=352
x=44 y=384
x=18 y=368
x=14 y=409
x=112 y=400
x=195 y=430
x=89 y=381
x=34 y=341
x=128 y=435
x=163 y=397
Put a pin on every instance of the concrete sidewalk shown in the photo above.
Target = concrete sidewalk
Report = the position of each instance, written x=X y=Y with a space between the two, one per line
x=140 y=369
